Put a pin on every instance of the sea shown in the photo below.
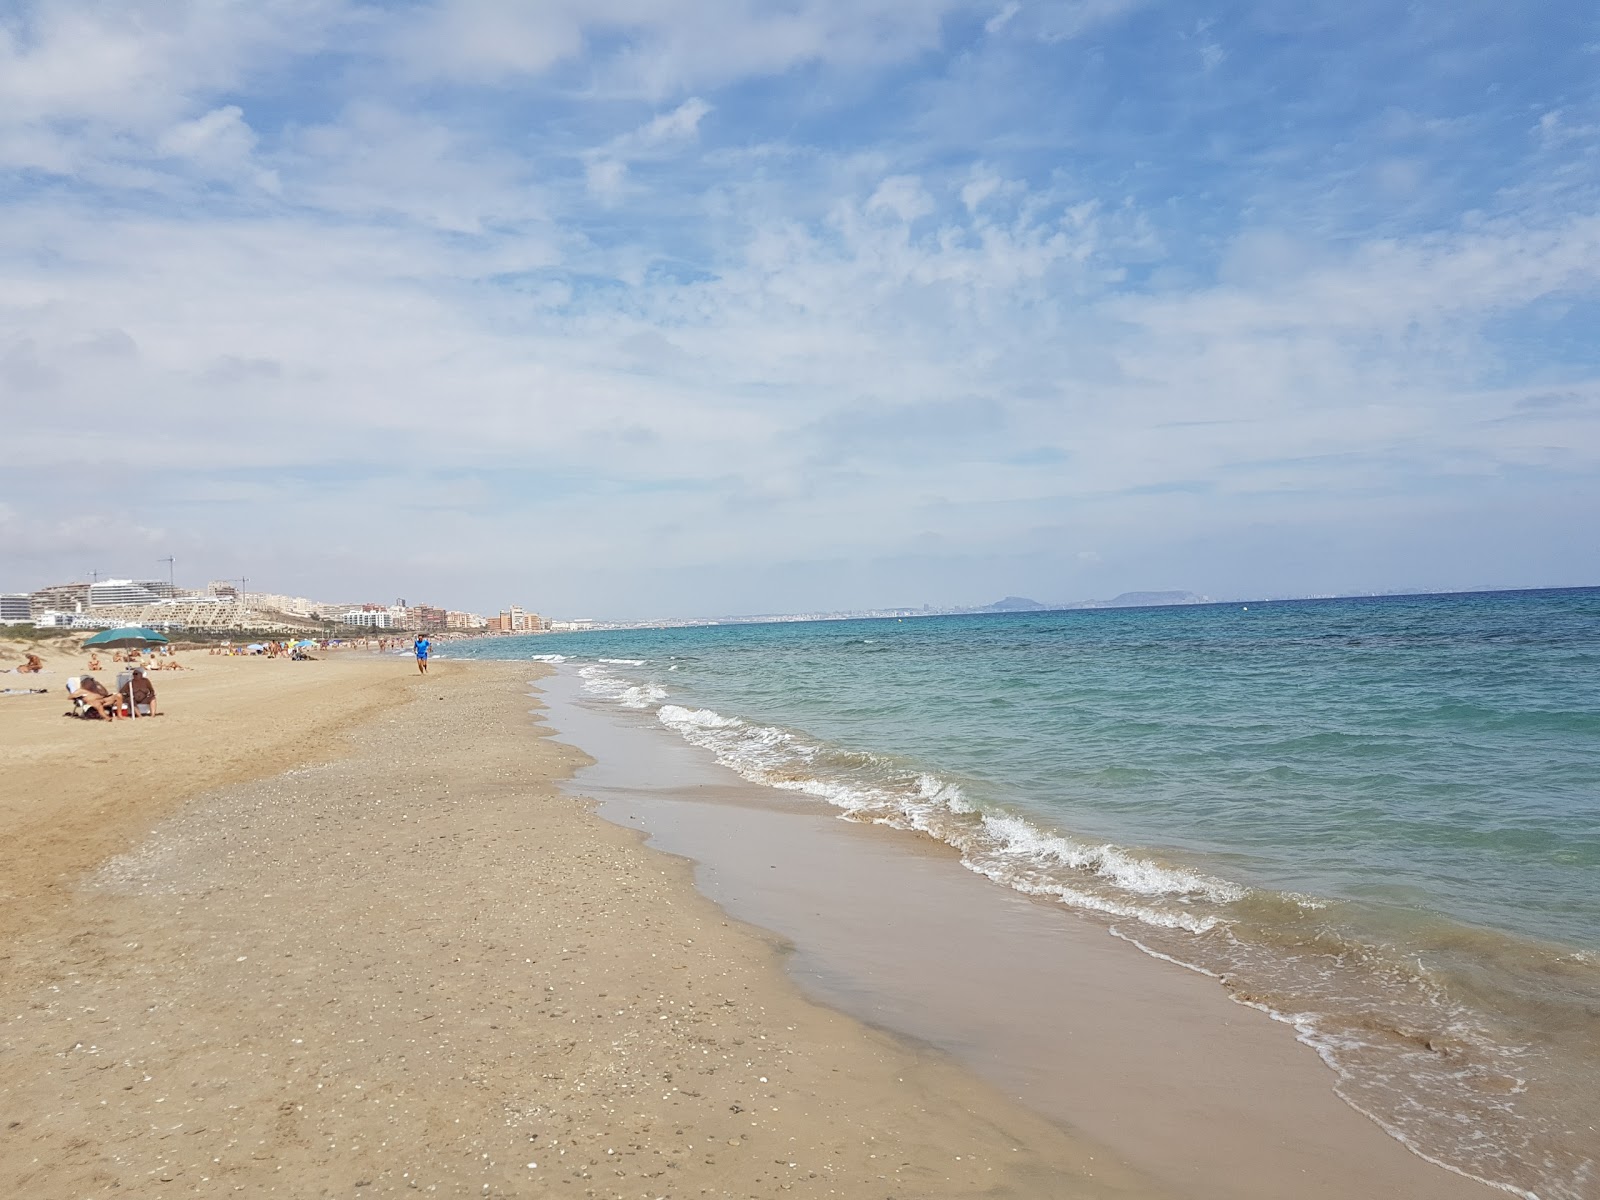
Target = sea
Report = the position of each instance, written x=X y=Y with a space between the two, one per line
x=1376 y=820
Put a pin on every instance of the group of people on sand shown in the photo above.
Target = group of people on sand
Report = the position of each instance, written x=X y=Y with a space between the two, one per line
x=137 y=695
x=158 y=660
x=271 y=649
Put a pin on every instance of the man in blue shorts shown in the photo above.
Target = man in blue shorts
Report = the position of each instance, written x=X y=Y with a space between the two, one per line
x=422 y=647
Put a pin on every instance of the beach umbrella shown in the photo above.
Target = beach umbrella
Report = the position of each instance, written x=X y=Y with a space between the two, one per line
x=122 y=639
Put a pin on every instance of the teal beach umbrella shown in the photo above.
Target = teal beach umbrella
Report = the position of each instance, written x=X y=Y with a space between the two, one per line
x=120 y=639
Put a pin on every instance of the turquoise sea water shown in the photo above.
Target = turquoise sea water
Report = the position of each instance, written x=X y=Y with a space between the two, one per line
x=1376 y=819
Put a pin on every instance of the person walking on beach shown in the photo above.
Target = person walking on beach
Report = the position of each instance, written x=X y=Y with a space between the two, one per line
x=422 y=647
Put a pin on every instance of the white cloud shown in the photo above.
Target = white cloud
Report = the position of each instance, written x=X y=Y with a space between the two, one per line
x=93 y=90
x=376 y=160
x=486 y=41
x=901 y=196
x=219 y=144
x=606 y=169
x=656 y=48
x=1002 y=18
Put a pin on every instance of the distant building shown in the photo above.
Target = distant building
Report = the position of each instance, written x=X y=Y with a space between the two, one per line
x=60 y=597
x=368 y=618
x=50 y=619
x=300 y=606
x=515 y=620
x=15 y=608
x=117 y=593
x=464 y=620
x=426 y=616
x=222 y=588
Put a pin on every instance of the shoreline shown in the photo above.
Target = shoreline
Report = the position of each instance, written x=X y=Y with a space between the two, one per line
x=1292 y=865
x=335 y=948
x=1209 y=1098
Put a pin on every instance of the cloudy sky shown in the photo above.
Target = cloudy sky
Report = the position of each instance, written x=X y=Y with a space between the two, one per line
x=656 y=307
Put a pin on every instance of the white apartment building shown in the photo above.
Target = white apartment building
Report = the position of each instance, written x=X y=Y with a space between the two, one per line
x=52 y=619
x=15 y=607
x=113 y=593
x=368 y=618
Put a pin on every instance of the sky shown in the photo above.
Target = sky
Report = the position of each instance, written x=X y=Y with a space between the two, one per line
x=634 y=308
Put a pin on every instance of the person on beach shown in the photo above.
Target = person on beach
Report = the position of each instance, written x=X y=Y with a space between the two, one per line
x=422 y=647
x=139 y=690
x=95 y=697
x=94 y=660
x=32 y=667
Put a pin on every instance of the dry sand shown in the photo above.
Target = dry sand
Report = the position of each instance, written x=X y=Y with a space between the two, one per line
x=326 y=929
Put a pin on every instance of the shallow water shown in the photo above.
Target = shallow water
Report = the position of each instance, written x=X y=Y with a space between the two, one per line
x=1376 y=819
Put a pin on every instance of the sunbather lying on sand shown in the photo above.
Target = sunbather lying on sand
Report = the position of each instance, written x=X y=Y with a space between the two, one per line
x=93 y=694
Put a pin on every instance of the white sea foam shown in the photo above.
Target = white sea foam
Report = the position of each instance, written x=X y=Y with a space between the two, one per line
x=942 y=791
x=624 y=662
x=675 y=716
x=642 y=695
x=1094 y=901
x=548 y=658
x=626 y=692
x=1005 y=847
x=1016 y=836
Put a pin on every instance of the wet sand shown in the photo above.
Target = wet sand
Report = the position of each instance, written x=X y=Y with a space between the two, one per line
x=327 y=929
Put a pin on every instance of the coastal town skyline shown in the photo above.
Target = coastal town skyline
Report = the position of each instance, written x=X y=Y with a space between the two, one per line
x=101 y=602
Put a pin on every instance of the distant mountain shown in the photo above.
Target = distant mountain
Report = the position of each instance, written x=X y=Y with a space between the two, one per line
x=1013 y=604
x=1151 y=599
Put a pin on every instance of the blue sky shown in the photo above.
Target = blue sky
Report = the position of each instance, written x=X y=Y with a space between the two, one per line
x=698 y=306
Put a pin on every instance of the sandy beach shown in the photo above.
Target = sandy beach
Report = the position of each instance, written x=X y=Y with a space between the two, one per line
x=329 y=929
